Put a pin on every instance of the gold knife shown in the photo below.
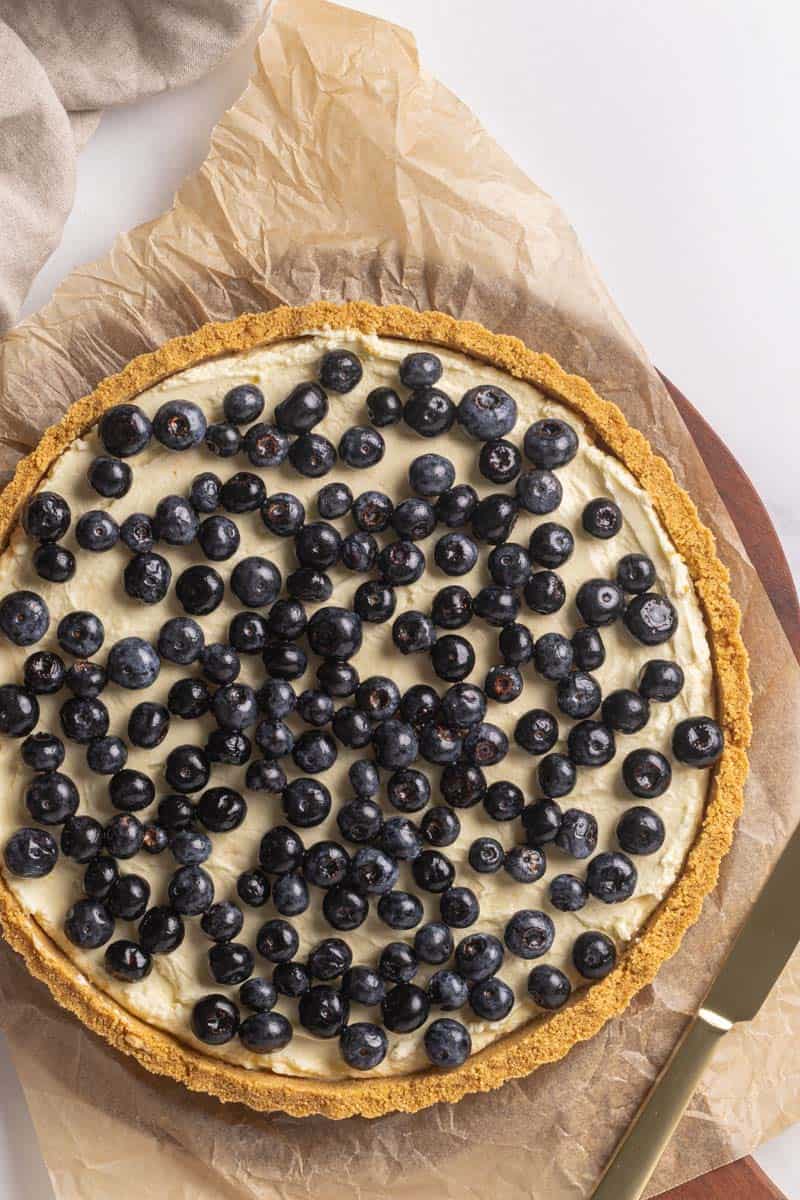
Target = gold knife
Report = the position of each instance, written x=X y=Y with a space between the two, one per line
x=761 y=950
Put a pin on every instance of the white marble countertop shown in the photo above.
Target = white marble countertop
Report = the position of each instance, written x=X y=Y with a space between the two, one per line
x=668 y=135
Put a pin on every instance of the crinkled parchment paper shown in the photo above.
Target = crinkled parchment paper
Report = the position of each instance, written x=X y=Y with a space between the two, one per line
x=346 y=172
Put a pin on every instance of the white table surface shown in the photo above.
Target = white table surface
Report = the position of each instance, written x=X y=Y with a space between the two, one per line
x=667 y=133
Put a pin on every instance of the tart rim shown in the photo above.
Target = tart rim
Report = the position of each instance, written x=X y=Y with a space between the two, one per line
x=546 y=1037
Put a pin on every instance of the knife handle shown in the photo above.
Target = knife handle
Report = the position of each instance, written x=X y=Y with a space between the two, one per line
x=637 y=1155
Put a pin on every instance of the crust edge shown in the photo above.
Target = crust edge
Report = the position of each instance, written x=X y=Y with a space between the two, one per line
x=547 y=1038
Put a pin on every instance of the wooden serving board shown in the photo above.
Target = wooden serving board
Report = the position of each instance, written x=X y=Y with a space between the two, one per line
x=742 y=1180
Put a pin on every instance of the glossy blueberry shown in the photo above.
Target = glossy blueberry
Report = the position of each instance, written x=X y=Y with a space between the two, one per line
x=551 y=545
x=455 y=507
x=291 y=979
x=567 y=893
x=698 y=741
x=539 y=492
x=525 y=864
x=492 y=999
x=312 y=455
x=42 y=752
x=263 y=775
x=54 y=563
x=398 y=963
x=24 y=618
x=487 y=412
x=204 y=492
x=440 y=744
x=180 y=640
x=661 y=680
x=420 y=369
x=200 y=590
x=83 y=720
x=625 y=711
x=243 y=404
x=215 y=1020
x=290 y=895
x=588 y=650
x=190 y=848
x=265 y=445
x=335 y=632
x=440 y=826
x=337 y=678
x=413 y=632
x=550 y=443
x=646 y=773
x=187 y=769
x=447 y=1043
x=314 y=751
x=578 y=695
x=306 y=802
x=400 y=910
x=509 y=565
x=545 y=592
x=265 y=1032
x=106 y=755
x=325 y=864
x=340 y=370
x=127 y=961
x=109 y=477
x=363 y=1045
x=88 y=924
x=636 y=573
x=651 y=618
x=133 y=663
x=447 y=990
x=125 y=430
x=147 y=577
x=372 y=511
x=486 y=856
x=503 y=801
x=611 y=877
x=161 y=930
x=433 y=871
x=179 y=424
x=137 y=533
x=452 y=607
x=124 y=835
x=30 y=853
x=395 y=744
x=282 y=660
x=155 y=839
x=429 y=411
x=577 y=833
x=221 y=809
x=46 y=516
x=131 y=790
x=594 y=954
x=400 y=838
x=499 y=461
x=253 y=888
x=463 y=706
x=431 y=474
x=148 y=724
x=258 y=995
x=128 y=897
x=277 y=941
x=404 y=1008
x=361 y=446
x=640 y=831
x=503 y=684
x=345 y=908
x=189 y=698
x=230 y=962
x=384 y=407
x=283 y=514
x=223 y=440
x=414 y=519
x=323 y=1011
x=548 y=987
x=243 y=492
x=459 y=907
x=494 y=517
x=516 y=644
x=478 y=956
x=176 y=523
x=219 y=538
x=602 y=518
x=591 y=744
x=401 y=562
x=485 y=744
x=452 y=658
x=19 y=710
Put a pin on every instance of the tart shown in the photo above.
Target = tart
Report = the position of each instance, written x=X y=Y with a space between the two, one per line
x=374 y=710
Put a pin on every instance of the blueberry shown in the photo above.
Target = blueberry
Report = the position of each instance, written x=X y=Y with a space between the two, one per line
x=405 y=1008
x=337 y=678
x=124 y=835
x=408 y=790
x=636 y=573
x=287 y=620
x=258 y=995
x=400 y=910
x=106 y=755
x=43 y=752
x=306 y=802
x=155 y=839
x=325 y=864
x=276 y=698
x=487 y=412
x=243 y=404
x=499 y=461
x=230 y=962
x=545 y=592
x=30 y=853
x=611 y=877
x=459 y=907
x=509 y=565
x=494 y=517
x=127 y=961
x=364 y=778
x=429 y=411
x=401 y=562
x=359 y=820
x=137 y=533
x=455 y=554
x=363 y=1045
x=492 y=999
x=660 y=680
x=485 y=745
x=591 y=744
x=335 y=632
x=625 y=711
x=334 y=500
x=525 y=864
x=221 y=809
x=567 y=893
x=359 y=553
x=161 y=930
x=395 y=744
x=315 y=707
x=577 y=833
x=46 y=516
x=372 y=871
x=440 y=826
x=215 y=1020
x=19 y=710
x=452 y=607
x=440 y=744
x=651 y=618
x=548 y=987
x=290 y=895
x=503 y=801
x=128 y=897
x=314 y=751
x=329 y=959
x=452 y=658
x=550 y=443
x=602 y=518
x=447 y=1043
x=463 y=705
x=148 y=724
x=147 y=577
x=400 y=838
x=447 y=990
x=372 y=511
x=204 y=492
x=433 y=871
x=312 y=455
x=189 y=698
x=318 y=545
x=361 y=447
x=420 y=369
x=219 y=538
x=646 y=773
x=344 y=908
x=551 y=545
x=54 y=563
x=180 y=640
x=578 y=695
x=125 y=430
x=283 y=514
x=200 y=590
x=187 y=769
x=486 y=856
x=176 y=523
x=133 y=663
x=340 y=371
x=253 y=889
x=398 y=963
x=83 y=720
x=265 y=1032
x=413 y=632
x=291 y=979
x=265 y=776
x=588 y=650
x=24 y=618
x=478 y=956
x=190 y=848
x=414 y=519
x=516 y=644
x=265 y=445
x=179 y=425
x=323 y=1011
x=307 y=583
x=698 y=741
x=455 y=507
x=131 y=790
x=420 y=705
x=640 y=831
x=224 y=441
x=110 y=476
x=503 y=684
x=243 y=492
x=384 y=407
x=88 y=924
x=539 y=492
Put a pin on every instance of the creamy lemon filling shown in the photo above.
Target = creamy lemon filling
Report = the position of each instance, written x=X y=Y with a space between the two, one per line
x=166 y=997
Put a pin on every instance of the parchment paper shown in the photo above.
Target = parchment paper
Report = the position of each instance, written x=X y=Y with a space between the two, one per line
x=344 y=172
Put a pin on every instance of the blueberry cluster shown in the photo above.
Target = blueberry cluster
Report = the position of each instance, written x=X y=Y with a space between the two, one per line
x=403 y=735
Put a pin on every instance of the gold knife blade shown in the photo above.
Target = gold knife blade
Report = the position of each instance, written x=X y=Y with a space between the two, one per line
x=761 y=950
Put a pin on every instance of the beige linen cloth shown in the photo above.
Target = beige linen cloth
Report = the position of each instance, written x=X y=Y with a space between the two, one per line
x=61 y=63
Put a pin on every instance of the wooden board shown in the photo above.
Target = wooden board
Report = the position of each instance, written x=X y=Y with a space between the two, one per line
x=743 y=1180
